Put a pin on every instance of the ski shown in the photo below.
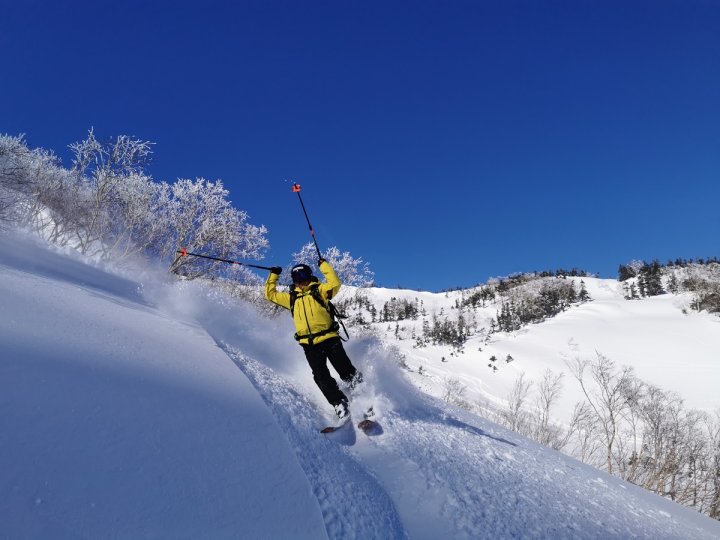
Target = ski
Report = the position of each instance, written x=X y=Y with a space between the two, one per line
x=331 y=429
x=366 y=425
x=369 y=427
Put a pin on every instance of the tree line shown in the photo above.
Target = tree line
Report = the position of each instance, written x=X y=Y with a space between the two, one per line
x=625 y=426
x=106 y=205
x=522 y=299
x=700 y=277
x=529 y=298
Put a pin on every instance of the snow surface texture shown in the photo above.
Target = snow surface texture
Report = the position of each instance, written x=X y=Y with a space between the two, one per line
x=162 y=411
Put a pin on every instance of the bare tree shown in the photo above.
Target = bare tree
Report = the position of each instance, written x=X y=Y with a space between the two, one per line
x=515 y=416
x=712 y=465
x=606 y=392
x=453 y=391
x=582 y=429
x=629 y=440
x=549 y=389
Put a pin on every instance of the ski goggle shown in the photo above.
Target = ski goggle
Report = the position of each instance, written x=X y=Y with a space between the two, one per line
x=301 y=274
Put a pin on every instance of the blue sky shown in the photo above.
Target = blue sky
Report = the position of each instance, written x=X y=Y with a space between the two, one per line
x=442 y=142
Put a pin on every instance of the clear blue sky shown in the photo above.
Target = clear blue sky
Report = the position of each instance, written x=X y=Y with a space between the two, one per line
x=442 y=142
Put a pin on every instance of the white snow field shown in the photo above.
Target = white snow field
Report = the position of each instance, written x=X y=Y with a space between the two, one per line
x=134 y=407
x=674 y=349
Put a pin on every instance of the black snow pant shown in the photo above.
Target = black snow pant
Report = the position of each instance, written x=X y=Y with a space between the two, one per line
x=317 y=356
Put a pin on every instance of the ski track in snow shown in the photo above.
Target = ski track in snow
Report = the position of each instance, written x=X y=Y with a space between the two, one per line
x=348 y=495
x=438 y=472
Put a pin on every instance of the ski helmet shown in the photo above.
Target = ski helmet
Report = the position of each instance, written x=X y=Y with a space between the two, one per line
x=301 y=273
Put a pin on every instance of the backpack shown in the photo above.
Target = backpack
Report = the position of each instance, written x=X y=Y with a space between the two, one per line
x=335 y=315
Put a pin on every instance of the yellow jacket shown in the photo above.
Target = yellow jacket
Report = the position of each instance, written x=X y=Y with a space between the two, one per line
x=310 y=317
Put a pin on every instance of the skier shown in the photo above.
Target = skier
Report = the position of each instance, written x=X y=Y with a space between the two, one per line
x=317 y=331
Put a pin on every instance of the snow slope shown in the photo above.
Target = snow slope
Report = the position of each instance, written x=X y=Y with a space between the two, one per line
x=163 y=411
x=118 y=421
x=669 y=348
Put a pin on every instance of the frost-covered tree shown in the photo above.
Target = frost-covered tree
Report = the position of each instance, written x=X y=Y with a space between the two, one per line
x=704 y=282
x=14 y=156
x=29 y=180
x=106 y=205
x=138 y=217
x=351 y=271
x=203 y=219
x=101 y=169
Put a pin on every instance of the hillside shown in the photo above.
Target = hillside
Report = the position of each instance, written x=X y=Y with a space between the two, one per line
x=134 y=407
x=667 y=343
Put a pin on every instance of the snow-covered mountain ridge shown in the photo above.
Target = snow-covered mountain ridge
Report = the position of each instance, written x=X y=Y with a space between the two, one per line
x=667 y=343
x=135 y=407
x=627 y=385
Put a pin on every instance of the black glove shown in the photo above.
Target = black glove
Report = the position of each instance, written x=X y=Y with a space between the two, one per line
x=321 y=260
x=276 y=270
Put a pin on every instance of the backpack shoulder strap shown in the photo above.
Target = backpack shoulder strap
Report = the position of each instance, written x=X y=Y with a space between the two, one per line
x=293 y=299
x=314 y=292
x=335 y=315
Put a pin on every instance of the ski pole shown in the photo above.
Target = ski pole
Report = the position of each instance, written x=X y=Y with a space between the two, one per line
x=296 y=189
x=184 y=253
